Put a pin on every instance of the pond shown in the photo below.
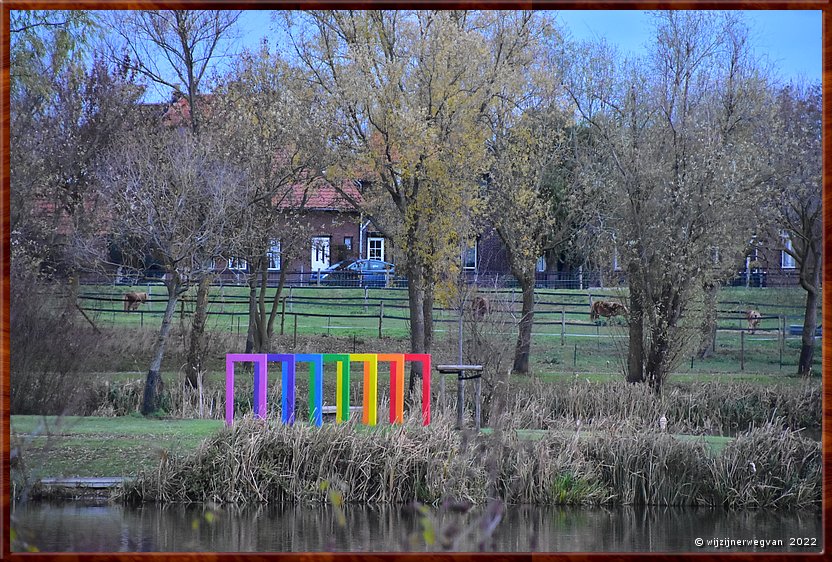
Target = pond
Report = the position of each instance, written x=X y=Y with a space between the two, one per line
x=102 y=527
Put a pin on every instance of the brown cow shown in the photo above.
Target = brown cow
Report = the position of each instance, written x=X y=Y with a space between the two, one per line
x=753 y=317
x=133 y=300
x=480 y=307
x=607 y=309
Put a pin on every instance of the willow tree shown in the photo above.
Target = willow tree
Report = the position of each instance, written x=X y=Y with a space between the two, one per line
x=679 y=149
x=798 y=218
x=406 y=94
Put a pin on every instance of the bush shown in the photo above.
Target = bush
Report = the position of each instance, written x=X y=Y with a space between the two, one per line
x=48 y=348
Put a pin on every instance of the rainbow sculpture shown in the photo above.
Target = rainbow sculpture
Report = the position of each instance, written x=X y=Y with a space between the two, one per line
x=316 y=361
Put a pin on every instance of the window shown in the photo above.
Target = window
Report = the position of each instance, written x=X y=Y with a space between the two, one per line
x=469 y=256
x=375 y=249
x=540 y=267
x=238 y=264
x=273 y=256
x=348 y=242
x=786 y=260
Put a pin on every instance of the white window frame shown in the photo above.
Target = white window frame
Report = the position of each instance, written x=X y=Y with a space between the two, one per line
x=237 y=264
x=273 y=256
x=370 y=241
x=474 y=247
x=540 y=266
x=787 y=261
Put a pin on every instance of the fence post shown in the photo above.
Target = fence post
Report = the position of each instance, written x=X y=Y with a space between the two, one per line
x=295 y=337
x=478 y=390
x=366 y=291
x=742 y=350
x=380 y=316
x=328 y=324
x=575 y=356
x=562 y=326
x=282 y=315
x=460 y=400
x=291 y=300
x=319 y=277
x=781 y=332
x=141 y=318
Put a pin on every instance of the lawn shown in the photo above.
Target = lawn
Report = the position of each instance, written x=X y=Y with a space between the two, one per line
x=93 y=446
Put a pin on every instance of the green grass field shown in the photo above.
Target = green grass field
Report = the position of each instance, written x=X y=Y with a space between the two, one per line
x=93 y=446
x=576 y=346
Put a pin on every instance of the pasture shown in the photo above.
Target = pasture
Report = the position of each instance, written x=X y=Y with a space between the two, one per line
x=565 y=339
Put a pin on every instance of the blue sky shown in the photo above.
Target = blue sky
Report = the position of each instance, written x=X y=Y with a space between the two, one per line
x=789 y=40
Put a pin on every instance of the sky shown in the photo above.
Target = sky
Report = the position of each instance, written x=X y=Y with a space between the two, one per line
x=789 y=40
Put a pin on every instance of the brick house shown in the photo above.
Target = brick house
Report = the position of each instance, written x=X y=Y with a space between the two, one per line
x=336 y=232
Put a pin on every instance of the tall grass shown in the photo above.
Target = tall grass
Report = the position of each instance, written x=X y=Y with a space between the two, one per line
x=688 y=408
x=258 y=461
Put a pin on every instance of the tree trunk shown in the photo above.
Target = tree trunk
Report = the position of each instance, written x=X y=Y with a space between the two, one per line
x=416 y=298
x=153 y=384
x=276 y=302
x=196 y=348
x=708 y=321
x=524 y=337
x=810 y=323
x=657 y=357
x=251 y=334
x=635 y=353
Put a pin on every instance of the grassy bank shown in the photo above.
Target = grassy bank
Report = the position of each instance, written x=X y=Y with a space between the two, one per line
x=50 y=446
x=257 y=461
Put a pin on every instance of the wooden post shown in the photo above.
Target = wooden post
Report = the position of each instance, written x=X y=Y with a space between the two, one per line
x=366 y=291
x=460 y=399
x=478 y=390
x=380 y=316
x=442 y=400
x=282 y=315
x=575 y=356
x=742 y=350
x=295 y=337
x=291 y=300
x=141 y=318
x=562 y=326
x=328 y=324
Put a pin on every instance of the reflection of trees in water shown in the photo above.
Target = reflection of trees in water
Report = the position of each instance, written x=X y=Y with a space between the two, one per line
x=72 y=526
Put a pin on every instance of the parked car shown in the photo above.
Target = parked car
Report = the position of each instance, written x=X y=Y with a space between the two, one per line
x=362 y=273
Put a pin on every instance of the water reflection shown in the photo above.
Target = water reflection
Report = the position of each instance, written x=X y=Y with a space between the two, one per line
x=74 y=527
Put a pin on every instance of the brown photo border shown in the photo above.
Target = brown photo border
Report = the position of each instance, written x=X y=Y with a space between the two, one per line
x=826 y=348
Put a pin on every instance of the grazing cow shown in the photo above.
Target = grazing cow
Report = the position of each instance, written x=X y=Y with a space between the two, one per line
x=480 y=307
x=133 y=300
x=607 y=309
x=753 y=317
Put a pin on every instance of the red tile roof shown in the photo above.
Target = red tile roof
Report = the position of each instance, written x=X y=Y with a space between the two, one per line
x=322 y=196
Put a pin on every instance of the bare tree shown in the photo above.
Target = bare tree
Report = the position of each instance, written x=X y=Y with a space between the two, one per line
x=678 y=144
x=175 y=48
x=169 y=193
x=267 y=115
x=798 y=164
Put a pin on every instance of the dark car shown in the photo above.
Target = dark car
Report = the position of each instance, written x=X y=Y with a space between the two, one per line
x=362 y=273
